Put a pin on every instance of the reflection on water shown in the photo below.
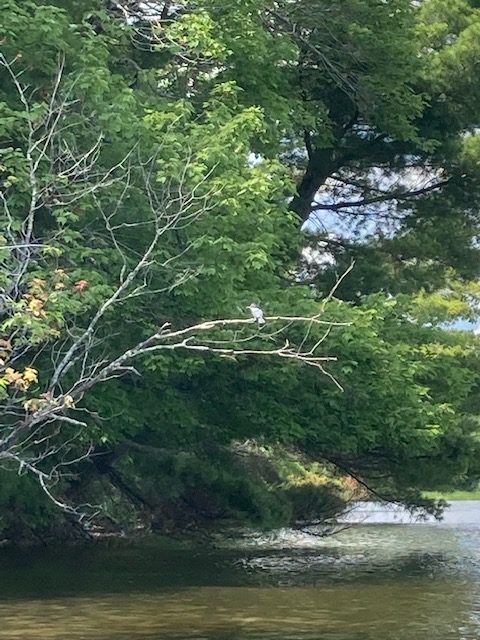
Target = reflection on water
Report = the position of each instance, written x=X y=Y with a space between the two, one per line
x=372 y=582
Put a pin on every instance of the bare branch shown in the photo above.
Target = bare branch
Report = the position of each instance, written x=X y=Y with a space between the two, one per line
x=385 y=196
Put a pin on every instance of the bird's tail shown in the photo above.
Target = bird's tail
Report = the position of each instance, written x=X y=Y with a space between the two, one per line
x=261 y=321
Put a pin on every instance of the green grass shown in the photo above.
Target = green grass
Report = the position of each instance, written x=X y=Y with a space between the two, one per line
x=453 y=495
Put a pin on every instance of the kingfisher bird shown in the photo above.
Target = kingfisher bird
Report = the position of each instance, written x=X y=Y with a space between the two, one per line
x=257 y=313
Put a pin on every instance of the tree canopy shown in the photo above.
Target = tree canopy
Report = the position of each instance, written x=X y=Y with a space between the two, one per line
x=163 y=165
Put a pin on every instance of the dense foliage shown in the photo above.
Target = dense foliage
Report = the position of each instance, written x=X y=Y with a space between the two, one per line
x=264 y=146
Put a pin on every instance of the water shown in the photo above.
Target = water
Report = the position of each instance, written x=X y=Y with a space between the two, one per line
x=385 y=579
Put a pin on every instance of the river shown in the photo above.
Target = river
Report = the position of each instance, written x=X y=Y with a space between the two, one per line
x=384 y=579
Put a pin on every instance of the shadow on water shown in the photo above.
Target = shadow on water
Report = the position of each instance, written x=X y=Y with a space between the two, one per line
x=373 y=582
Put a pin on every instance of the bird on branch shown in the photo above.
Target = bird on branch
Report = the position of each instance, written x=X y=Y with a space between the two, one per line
x=257 y=314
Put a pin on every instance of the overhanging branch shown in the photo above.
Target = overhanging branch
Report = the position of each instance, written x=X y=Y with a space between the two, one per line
x=383 y=197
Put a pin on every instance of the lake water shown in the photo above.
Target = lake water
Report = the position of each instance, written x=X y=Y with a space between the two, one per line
x=384 y=579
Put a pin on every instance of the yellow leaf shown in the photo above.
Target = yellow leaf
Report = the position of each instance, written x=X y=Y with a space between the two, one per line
x=21 y=384
x=68 y=402
x=11 y=375
x=38 y=282
x=36 y=307
x=32 y=405
x=30 y=375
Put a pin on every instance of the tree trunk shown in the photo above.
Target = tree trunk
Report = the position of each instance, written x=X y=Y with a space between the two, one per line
x=321 y=165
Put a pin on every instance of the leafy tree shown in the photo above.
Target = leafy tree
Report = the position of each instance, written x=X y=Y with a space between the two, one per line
x=157 y=162
x=101 y=238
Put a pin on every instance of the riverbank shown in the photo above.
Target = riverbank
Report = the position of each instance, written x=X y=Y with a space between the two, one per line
x=453 y=496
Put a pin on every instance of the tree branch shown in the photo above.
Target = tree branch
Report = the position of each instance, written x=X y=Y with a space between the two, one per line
x=394 y=195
